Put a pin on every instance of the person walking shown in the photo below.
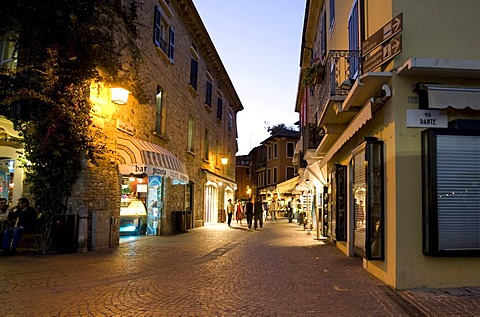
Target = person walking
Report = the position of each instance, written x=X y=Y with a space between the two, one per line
x=258 y=213
x=24 y=219
x=249 y=213
x=290 y=210
x=273 y=209
x=239 y=212
x=230 y=209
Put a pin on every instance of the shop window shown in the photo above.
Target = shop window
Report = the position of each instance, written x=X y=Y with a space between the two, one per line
x=368 y=192
x=338 y=215
x=451 y=195
x=8 y=54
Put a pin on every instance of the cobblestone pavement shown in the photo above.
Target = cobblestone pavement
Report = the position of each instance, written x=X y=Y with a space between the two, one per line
x=279 y=270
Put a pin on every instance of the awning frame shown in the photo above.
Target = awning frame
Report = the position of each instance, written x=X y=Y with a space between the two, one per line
x=135 y=156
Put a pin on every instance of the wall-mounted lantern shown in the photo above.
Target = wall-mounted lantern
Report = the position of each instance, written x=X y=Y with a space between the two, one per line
x=224 y=160
x=119 y=96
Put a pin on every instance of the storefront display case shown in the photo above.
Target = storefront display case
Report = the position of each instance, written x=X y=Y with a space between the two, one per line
x=133 y=217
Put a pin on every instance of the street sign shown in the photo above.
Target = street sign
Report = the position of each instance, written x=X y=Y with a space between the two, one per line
x=427 y=118
x=383 y=55
x=384 y=34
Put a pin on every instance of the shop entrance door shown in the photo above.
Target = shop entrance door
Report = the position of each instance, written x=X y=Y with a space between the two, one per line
x=154 y=204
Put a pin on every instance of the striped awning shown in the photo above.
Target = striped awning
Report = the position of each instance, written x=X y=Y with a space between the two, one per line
x=136 y=156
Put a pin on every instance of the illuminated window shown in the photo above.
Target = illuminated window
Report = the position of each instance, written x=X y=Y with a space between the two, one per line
x=191 y=134
x=160 y=113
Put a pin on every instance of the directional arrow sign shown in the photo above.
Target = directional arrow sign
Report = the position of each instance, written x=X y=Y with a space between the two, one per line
x=384 y=34
x=389 y=51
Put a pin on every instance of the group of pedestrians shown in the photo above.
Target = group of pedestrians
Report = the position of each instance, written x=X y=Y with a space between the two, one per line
x=254 y=211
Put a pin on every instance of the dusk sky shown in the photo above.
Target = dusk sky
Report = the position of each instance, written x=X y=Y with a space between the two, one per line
x=259 y=44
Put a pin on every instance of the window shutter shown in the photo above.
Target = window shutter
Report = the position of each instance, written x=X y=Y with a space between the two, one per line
x=171 y=50
x=457 y=192
x=353 y=40
x=193 y=73
x=323 y=35
x=156 y=27
x=359 y=195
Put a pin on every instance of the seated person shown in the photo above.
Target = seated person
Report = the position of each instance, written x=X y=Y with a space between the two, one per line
x=3 y=209
x=24 y=219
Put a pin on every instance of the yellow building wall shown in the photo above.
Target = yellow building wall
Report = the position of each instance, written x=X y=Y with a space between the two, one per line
x=439 y=28
x=450 y=26
x=436 y=29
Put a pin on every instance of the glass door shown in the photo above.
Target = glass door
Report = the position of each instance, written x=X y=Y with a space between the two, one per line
x=155 y=204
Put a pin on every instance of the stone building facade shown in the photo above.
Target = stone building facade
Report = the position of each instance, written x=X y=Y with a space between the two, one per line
x=174 y=135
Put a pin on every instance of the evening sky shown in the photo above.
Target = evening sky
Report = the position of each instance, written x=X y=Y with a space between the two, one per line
x=259 y=44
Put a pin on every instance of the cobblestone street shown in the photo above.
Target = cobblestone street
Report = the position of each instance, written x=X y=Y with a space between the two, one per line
x=279 y=270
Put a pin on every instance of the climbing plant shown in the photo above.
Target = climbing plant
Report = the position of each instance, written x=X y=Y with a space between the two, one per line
x=62 y=47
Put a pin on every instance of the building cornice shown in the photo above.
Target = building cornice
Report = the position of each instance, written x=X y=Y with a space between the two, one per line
x=205 y=45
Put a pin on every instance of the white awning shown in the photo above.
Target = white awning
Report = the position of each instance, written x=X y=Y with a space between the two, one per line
x=302 y=187
x=288 y=186
x=136 y=156
x=360 y=119
x=457 y=97
x=315 y=175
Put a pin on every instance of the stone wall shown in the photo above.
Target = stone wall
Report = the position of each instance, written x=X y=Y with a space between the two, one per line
x=99 y=187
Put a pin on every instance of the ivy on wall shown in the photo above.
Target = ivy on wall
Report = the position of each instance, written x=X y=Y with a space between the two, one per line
x=63 y=46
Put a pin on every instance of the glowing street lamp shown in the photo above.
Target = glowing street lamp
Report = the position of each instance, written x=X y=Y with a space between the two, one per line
x=119 y=95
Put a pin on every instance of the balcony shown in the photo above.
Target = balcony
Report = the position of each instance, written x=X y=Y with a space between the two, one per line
x=311 y=136
x=340 y=67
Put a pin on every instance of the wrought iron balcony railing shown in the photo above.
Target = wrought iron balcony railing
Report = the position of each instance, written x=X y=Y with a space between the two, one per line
x=341 y=67
x=311 y=136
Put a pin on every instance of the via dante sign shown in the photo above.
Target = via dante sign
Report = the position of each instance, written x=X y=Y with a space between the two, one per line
x=427 y=118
